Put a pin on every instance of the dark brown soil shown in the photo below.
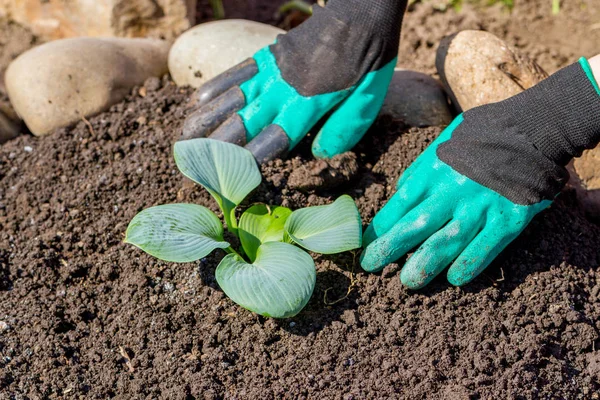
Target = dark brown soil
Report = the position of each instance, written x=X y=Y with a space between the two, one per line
x=83 y=315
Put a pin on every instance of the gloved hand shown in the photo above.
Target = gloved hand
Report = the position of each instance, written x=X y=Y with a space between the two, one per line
x=341 y=59
x=479 y=184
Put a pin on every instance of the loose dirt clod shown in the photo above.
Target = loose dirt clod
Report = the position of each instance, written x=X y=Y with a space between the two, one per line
x=324 y=174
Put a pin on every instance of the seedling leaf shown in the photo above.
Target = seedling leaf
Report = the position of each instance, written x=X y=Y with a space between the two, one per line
x=329 y=229
x=278 y=284
x=176 y=232
x=260 y=224
x=229 y=172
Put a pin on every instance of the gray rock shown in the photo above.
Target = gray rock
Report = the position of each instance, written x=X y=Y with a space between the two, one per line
x=8 y=128
x=208 y=49
x=11 y=125
x=58 y=83
x=417 y=99
x=584 y=180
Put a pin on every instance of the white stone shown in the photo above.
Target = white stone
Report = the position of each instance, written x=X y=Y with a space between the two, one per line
x=208 y=49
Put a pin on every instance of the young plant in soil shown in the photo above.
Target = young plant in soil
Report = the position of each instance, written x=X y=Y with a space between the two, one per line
x=268 y=275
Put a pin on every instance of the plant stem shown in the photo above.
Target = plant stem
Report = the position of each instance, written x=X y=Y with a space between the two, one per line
x=231 y=250
x=231 y=222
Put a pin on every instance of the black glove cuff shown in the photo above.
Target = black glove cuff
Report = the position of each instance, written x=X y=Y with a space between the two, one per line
x=568 y=105
x=519 y=147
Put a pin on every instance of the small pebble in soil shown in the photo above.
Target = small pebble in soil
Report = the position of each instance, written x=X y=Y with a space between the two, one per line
x=28 y=149
x=349 y=362
x=4 y=326
x=292 y=324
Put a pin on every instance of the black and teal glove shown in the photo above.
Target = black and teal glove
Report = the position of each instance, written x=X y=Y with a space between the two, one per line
x=341 y=60
x=479 y=184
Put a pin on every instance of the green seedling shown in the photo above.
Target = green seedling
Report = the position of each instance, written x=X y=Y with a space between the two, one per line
x=217 y=7
x=555 y=7
x=269 y=275
x=457 y=5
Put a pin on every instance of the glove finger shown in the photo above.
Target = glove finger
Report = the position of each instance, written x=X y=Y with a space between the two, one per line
x=258 y=114
x=232 y=131
x=204 y=120
x=439 y=251
x=479 y=254
x=351 y=120
x=412 y=229
x=405 y=199
x=270 y=144
x=218 y=85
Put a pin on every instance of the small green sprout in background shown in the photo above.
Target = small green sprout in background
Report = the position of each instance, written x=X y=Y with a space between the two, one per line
x=443 y=5
x=299 y=5
x=555 y=7
x=268 y=275
x=217 y=7
x=296 y=5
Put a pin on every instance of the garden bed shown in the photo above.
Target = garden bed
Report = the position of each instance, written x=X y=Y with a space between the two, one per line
x=84 y=315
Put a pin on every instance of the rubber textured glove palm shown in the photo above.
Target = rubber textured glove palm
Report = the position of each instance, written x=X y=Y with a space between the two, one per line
x=457 y=220
x=337 y=65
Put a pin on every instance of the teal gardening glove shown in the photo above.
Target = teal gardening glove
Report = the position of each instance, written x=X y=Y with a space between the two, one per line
x=341 y=60
x=479 y=184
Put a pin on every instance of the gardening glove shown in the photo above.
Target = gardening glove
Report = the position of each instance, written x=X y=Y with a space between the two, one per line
x=479 y=184
x=341 y=60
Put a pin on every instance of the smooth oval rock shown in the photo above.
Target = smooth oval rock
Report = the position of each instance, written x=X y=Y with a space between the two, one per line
x=58 y=83
x=478 y=68
x=206 y=50
x=417 y=99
